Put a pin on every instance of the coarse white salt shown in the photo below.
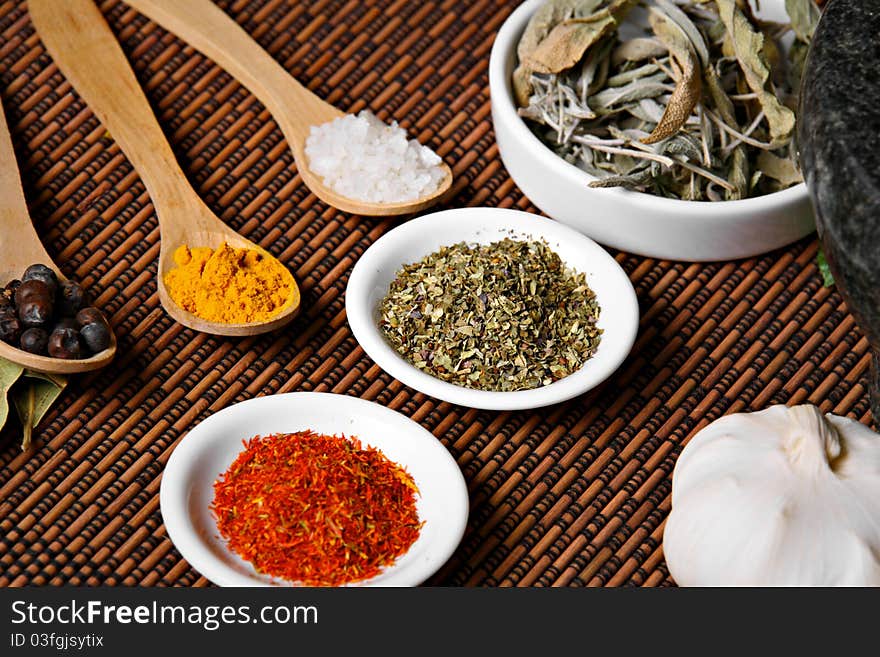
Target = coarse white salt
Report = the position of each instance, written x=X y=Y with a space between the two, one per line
x=362 y=158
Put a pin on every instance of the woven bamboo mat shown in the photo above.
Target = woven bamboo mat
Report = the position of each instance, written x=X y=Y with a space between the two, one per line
x=571 y=495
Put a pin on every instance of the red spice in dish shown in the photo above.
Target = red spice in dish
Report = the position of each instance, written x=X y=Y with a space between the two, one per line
x=316 y=509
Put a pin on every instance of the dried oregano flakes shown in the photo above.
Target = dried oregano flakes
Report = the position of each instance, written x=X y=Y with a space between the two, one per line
x=502 y=316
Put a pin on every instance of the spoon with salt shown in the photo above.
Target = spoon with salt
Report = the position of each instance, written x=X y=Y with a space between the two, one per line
x=20 y=247
x=85 y=49
x=296 y=109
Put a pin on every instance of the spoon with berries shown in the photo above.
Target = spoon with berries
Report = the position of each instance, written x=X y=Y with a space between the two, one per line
x=46 y=323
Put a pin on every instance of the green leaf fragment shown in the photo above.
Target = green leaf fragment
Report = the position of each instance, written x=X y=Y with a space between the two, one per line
x=824 y=268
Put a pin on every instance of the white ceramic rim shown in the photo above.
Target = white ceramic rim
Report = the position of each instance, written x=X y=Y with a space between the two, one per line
x=500 y=89
x=363 y=318
x=177 y=480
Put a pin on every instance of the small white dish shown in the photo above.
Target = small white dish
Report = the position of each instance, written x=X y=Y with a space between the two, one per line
x=209 y=449
x=378 y=266
x=634 y=221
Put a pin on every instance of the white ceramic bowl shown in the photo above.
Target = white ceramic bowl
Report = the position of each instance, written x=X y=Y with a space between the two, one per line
x=377 y=268
x=209 y=449
x=634 y=221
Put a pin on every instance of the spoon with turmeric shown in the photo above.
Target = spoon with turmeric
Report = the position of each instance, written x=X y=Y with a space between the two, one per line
x=210 y=278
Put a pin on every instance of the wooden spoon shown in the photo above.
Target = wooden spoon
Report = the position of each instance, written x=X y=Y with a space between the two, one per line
x=296 y=109
x=20 y=247
x=85 y=49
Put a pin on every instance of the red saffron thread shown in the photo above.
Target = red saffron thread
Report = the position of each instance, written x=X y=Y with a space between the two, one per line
x=316 y=509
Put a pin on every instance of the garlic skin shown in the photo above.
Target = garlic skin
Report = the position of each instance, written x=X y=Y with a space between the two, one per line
x=787 y=496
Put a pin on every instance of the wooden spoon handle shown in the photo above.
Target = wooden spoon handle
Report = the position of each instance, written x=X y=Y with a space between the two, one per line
x=85 y=49
x=208 y=29
x=20 y=245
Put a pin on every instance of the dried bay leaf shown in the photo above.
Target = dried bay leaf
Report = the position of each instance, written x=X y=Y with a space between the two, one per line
x=30 y=393
x=25 y=403
x=748 y=46
x=9 y=373
x=33 y=398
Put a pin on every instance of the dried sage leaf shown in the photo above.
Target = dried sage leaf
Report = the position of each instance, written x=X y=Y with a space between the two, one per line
x=797 y=56
x=637 y=50
x=567 y=42
x=779 y=168
x=738 y=175
x=748 y=47
x=683 y=144
x=522 y=85
x=545 y=18
x=637 y=180
x=720 y=98
x=648 y=87
x=683 y=108
x=688 y=87
x=804 y=16
x=690 y=32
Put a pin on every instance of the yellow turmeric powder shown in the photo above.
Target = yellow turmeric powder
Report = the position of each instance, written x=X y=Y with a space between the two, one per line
x=230 y=285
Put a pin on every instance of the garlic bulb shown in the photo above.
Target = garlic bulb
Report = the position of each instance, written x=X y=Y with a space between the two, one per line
x=780 y=497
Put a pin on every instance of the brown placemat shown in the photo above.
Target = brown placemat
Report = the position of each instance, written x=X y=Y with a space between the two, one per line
x=571 y=495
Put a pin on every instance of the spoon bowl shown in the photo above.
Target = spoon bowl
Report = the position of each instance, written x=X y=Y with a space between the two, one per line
x=86 y=51
x=296 y=109
x=20 y=247
x=212 y=236
x=49 y=365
